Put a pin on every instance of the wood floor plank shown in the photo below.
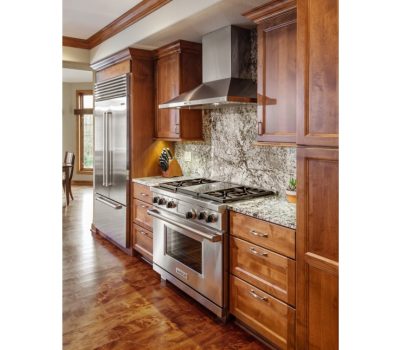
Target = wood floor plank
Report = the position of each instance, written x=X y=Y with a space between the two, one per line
x=114 y=301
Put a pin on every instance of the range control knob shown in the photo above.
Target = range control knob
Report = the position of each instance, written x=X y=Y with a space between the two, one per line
x=202 y=215
x=161 y=201
x=211 y=218
x=155 y=199
x=171 y=204
x=190 y=214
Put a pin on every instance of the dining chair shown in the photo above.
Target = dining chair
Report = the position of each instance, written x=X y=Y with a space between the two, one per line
x=69 y=160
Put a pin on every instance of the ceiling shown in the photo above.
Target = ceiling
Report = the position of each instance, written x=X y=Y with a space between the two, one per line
x=178 y=19
x=83 y=18
x=77 y=76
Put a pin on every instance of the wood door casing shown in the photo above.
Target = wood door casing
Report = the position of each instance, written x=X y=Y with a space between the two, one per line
x=317 y=248
x=317 y=73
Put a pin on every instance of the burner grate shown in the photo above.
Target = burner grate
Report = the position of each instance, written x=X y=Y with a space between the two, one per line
x=174 y=185
x=234 y=194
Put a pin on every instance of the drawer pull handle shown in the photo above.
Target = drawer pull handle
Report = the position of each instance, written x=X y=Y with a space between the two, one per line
x=255 y=252
x=255 y=295
x=143 y=206
x=258 y=234
x=143 y=233
x=144 y=194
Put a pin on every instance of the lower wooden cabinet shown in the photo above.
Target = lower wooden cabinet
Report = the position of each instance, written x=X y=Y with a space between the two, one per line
x=271 y=272
x=142 y=223
x=143 y=241
x=140 y=215
x=267 y=315
x=265 y=234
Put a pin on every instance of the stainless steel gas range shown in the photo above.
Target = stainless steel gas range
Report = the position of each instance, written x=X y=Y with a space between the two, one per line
x=190 y=243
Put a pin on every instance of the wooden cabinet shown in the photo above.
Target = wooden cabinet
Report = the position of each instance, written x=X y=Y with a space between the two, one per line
x=178 y=69
x=275 y=237
x=317 y=73
x=142 y=223
x=266 y=315
x=143 y=241
x=317 y=248
x=271 y=272
x=263 y=278
x=276 y=70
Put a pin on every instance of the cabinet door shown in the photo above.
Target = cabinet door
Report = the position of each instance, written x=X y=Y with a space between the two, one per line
x=317 y=73
x=167 y=123
x=317 y=249
x=276 y=90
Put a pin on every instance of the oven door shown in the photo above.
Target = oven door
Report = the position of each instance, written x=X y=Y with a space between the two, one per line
x=193 y=255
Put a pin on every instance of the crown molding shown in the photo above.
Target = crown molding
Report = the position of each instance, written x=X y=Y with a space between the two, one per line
x=75 y=42
x=136 y=13
x=271 y=9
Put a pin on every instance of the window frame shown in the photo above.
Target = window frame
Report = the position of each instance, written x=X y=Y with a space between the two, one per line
x=80 y=112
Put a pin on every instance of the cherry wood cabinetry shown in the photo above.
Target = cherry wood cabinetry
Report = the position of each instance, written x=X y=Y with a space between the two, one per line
x=268 y=316
x=276 y=71
x=317 y=237
x=263 y=278
x=317 y=73
x=142 y=223
x=265 y=234
x=317 y=248
x=178 y=69
x=271 y=272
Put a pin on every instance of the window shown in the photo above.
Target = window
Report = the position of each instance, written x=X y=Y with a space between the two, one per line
x=84 y=112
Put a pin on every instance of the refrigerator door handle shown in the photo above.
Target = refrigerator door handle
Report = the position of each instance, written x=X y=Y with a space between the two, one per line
x=109 y=152
x=109 y=203
x=104 y=149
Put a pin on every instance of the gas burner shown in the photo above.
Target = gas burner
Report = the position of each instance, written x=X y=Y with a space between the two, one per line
x=235 y=194
x=174 y=185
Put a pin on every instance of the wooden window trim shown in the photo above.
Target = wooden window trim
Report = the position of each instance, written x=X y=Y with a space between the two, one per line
x=79 y=112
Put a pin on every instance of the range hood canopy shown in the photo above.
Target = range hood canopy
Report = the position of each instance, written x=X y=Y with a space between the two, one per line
x=226 y=55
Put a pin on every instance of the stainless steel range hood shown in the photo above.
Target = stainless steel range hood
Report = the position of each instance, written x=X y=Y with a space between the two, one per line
x=226 y=56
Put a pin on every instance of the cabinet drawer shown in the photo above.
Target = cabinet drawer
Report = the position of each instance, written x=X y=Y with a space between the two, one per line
x=143 y=241
x=142 y=192
x=271 y=318
x=140 y=215
x=271 y=272
x=277 y=238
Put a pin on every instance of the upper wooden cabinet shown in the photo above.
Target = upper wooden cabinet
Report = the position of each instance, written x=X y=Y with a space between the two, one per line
x=276 y=70
x=178 y=69
x=317 y=73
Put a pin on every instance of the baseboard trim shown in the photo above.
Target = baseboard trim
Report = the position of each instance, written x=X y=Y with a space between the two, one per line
x=82 y=182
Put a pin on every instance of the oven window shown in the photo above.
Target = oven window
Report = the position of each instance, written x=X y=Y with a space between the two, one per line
x=184 y=249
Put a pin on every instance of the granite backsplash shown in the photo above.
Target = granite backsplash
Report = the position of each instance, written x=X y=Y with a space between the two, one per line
x=229 y=153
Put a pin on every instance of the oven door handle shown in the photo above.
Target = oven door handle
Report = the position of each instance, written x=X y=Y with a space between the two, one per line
x=212 y=238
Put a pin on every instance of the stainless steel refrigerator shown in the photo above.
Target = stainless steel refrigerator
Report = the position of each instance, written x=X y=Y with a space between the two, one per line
x=111 y=157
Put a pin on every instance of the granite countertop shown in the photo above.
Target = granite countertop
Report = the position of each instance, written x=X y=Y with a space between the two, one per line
x=156 y=180
x=271 y=208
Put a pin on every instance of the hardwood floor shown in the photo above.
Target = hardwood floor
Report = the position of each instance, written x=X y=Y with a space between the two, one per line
x=113 y=301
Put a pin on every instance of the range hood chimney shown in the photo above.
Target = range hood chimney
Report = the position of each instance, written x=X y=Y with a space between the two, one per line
x=226 y=55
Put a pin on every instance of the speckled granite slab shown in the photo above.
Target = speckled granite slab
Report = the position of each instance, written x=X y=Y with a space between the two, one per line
x=272 y=208
x=156 y=180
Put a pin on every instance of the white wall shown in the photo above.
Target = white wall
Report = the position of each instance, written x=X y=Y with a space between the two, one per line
x=69 y=130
